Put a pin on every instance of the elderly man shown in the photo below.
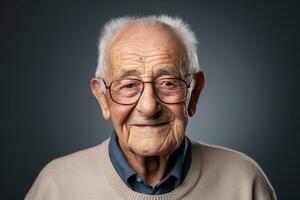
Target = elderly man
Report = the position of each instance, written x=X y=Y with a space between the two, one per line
x=148 y=83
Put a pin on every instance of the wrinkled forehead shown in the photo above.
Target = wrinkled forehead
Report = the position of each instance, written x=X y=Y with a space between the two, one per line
x=145 y=49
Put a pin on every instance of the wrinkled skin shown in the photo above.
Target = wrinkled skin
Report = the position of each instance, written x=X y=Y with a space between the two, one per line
x=148 y=131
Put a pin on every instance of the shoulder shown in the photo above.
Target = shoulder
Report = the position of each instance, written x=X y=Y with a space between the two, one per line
x=75 y=169
x=234 y=168
x=83 y=159
x=213 y=155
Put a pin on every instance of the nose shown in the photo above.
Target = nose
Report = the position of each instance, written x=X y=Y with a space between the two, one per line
x=148 y=104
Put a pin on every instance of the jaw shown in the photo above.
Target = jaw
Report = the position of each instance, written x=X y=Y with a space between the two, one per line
x=154 y=140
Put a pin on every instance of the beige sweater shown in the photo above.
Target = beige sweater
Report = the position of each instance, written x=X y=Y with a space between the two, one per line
x=215 y=174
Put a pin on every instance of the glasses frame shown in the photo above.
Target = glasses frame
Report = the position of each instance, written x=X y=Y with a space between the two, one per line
x=108 y=87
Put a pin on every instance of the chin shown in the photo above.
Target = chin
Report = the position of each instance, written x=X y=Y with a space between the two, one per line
x=147 y=153
x=152 y=148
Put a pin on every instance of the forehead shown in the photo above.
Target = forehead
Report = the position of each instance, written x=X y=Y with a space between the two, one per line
x=144 y=49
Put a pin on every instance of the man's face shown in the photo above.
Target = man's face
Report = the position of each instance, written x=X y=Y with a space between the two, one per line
x=148 y=127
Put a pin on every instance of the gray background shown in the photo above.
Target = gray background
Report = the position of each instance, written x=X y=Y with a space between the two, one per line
x=248 y=49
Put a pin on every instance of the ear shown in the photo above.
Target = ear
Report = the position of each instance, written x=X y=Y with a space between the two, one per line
x=100 y=96
x=198 y=86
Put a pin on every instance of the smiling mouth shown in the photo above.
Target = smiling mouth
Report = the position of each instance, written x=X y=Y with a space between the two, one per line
x=151 y=125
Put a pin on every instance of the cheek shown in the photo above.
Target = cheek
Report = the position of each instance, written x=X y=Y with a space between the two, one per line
x=180 y=122
x=119 y=115
x=179 y=111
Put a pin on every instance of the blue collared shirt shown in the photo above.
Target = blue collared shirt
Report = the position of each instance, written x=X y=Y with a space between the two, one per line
x=180 y=163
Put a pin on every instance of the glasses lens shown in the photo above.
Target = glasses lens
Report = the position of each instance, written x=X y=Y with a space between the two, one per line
x=126 y=91
x=171 y=90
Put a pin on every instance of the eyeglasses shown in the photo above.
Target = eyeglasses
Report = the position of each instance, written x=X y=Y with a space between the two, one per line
x=129 y=90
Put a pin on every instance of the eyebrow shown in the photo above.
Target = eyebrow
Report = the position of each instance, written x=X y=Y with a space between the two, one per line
x=159 y=72
x=130 y=72
x=167 y=71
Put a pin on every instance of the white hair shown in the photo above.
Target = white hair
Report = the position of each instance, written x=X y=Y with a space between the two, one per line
x=114 y=26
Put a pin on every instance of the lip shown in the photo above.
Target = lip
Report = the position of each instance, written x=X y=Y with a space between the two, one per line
x=151 y=125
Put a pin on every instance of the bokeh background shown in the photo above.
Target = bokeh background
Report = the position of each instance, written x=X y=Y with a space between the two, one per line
x=249 y=51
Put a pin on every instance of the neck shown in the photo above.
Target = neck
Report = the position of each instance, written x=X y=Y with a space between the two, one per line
x=152 y=168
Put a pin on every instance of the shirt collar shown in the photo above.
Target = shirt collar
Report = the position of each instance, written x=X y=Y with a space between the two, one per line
x=178 y=168
x=118 y=159
x=180 y=163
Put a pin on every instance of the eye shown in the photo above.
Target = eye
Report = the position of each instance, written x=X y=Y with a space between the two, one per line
x=129 y=85
x=168 y=83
